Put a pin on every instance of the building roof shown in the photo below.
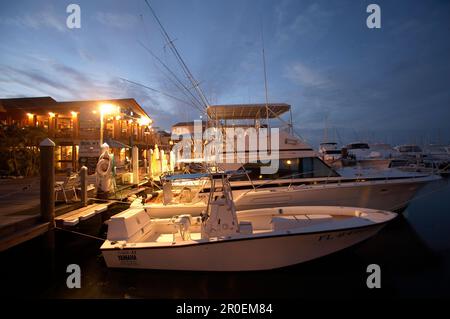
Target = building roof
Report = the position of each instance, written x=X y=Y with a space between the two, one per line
x=25 y=103
x=183 y=124
x=247 y=111
x=43 y=105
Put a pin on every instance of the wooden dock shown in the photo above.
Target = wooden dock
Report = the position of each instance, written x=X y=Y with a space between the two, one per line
x=15 y=230
x=74 y=217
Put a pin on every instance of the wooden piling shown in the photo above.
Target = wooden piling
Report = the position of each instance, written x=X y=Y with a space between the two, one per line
x=47 y=181
x=145 y=167
x=135 y=164
x=83 y=182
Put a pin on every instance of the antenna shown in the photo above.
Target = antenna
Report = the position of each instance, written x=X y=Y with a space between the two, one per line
x=265 y=76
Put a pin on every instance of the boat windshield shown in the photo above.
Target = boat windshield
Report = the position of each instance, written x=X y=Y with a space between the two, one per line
x=358 y=146
x=307 y=167
x=409 y=149
x=332 y=152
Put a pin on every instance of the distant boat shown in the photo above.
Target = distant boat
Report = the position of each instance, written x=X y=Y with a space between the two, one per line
x=330 y=152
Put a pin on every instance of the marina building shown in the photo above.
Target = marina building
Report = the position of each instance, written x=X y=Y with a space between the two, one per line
x=79 y=127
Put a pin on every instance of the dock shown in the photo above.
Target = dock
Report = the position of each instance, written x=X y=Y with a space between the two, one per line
x=74 y=217
x=33 y=211
x=15 y=230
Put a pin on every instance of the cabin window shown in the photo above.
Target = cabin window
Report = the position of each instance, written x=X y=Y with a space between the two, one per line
x=314 y=167
x=308 y=167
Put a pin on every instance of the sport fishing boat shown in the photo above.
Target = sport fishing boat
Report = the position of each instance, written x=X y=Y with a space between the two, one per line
x=223 y=239
x=302 y=177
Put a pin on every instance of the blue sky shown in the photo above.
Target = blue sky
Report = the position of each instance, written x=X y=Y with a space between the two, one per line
x=321 y=59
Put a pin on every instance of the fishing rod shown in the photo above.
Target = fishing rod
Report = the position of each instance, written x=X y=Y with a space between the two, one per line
x=186 y=89
x=187 y=72
x=155 y=90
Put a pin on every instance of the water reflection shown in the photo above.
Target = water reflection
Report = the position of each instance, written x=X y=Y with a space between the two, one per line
x=412 y=252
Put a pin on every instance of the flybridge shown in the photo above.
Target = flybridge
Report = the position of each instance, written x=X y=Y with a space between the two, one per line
x=247 y=111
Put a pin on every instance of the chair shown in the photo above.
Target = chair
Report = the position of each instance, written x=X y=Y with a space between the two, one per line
x=69 y=185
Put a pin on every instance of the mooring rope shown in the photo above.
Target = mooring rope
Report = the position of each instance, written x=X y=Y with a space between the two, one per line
x=81 y=234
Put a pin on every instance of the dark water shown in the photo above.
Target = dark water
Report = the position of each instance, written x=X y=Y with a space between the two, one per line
x=413 y=252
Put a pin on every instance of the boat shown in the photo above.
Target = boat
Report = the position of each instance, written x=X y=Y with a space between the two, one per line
x=411 y=151
x=223 y=239
x=433 y=159
x=329 y=152
x=302 y=177
x=378 y=155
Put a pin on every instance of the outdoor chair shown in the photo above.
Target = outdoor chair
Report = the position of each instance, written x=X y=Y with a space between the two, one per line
x=68 y=185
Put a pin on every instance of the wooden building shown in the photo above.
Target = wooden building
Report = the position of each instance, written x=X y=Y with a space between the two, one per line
x=80 y=127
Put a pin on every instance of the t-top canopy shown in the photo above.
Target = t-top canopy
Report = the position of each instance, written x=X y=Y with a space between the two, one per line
x=247 y=111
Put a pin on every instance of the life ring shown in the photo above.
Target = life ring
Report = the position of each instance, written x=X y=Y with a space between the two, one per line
x=104 y=165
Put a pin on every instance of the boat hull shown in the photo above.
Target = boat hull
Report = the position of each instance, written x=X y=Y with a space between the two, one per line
x=247 y=254
x=391 y=195
x=379 y=195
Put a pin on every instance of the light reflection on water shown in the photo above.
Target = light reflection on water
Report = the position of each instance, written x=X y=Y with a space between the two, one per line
x=413 y=253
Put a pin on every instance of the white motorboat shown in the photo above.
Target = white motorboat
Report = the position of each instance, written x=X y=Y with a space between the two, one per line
x=368 y=156
x=225 y=240
x=410 y=151
x=329 y=152
x=302 y=178
x=432 y=160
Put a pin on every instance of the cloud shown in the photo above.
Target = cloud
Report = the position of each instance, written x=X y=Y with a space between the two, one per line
x=117 y=20
x=311 y=23
x=64 y=82
x=303 y=75
x=37 y=20
x=30 y=78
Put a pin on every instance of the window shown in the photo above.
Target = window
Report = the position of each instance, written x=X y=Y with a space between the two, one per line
x=307 y=167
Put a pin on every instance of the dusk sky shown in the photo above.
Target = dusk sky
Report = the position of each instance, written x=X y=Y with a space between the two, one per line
x=321 y=58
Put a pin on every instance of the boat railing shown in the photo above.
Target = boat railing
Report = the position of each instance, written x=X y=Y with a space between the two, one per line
x=291 y=176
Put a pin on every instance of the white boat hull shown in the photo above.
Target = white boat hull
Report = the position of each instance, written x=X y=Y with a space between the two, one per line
x=384 y=196
x=391 y=195
x=240 y=254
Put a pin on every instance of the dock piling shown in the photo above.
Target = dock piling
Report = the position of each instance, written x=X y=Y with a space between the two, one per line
x=47 y=181
x=135 y=164
x=83 y=182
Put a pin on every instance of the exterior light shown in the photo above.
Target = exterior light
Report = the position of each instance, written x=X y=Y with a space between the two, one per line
x=170 y=142
x=144 y=121
x=74 y=114
x=51 y=114
x=30 y=114
x=107 y=108
x=289 y=162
